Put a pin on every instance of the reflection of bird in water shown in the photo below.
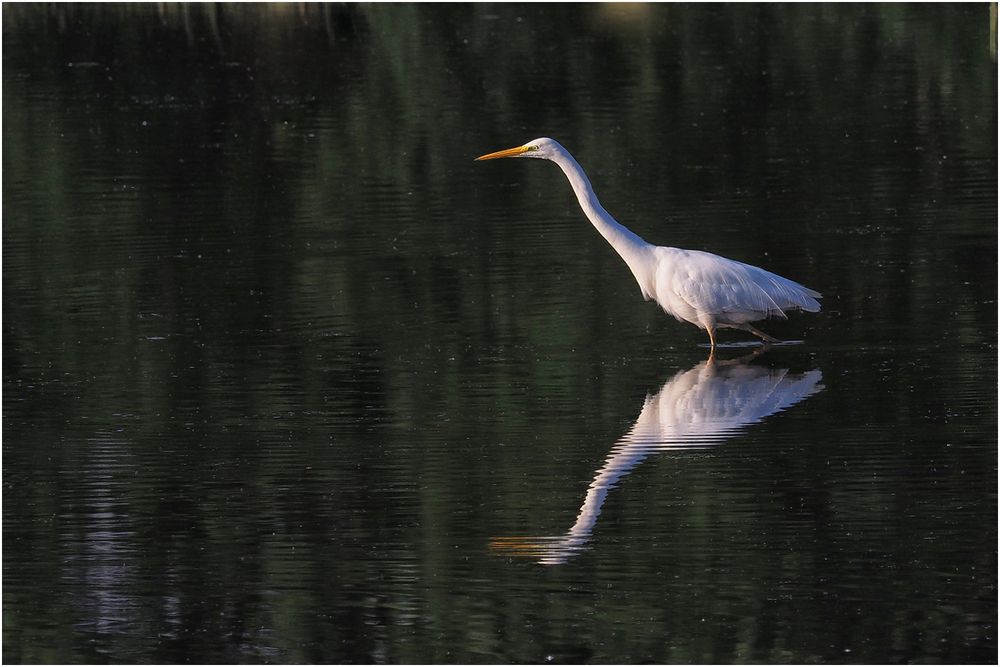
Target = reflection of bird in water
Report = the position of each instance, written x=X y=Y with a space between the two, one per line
x=694 y=409
x=706 y=290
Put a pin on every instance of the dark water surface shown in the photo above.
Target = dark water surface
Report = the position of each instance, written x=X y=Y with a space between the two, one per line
x=289 y=377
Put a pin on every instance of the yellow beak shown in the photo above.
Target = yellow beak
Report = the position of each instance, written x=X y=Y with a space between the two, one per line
x=510 y=152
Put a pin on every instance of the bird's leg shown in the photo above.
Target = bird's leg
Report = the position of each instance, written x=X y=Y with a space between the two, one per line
x=760 y=334
x=711 y=337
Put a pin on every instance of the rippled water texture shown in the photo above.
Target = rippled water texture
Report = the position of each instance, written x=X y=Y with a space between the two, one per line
x=289 y=378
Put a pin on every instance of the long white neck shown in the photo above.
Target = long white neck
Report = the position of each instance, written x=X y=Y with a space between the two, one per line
x=629 y=245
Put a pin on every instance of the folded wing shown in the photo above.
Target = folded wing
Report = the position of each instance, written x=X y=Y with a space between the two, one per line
x=733 y=290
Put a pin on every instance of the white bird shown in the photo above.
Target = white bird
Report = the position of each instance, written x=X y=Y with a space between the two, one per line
x=695 y=409
x=706 y=290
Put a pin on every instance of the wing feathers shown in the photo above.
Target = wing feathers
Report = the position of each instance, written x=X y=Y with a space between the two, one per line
x=723 y=287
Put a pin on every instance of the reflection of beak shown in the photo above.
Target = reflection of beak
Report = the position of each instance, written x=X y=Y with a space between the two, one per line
x=510 y=152
x=525 y=547
x=518 y=546
x=551 y=550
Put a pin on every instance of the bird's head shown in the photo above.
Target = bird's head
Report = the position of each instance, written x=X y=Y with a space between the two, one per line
x=543 y=148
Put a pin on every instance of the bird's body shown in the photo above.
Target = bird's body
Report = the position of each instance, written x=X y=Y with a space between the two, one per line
x=706 y=290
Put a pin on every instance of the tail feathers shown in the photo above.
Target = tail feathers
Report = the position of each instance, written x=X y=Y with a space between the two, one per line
x=789 y=295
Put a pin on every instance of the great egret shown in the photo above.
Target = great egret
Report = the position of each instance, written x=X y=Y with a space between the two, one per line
x=695 y=409
x=706 y=290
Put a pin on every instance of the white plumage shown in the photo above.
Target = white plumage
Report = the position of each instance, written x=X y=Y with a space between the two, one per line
x=695 y=409
x=706 y=290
